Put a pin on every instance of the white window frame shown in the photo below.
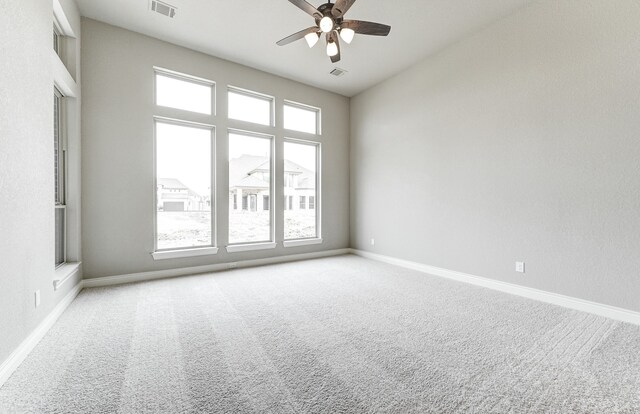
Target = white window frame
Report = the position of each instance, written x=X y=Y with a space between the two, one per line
x=257 y=95
x=185 y=78
x=306 y=107
x=58 y=40
x=317 y=239
x=266 y=244
x=67 y=86
x=61 y=181
x=187 y=251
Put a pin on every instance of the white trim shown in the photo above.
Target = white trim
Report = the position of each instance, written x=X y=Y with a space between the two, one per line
x=600 y=309
x=301 y=242
x=175 y=254
x=64 y=273
x=161 y=274
x=183 y=76
x=22 y=351
x=60 y=18
x=62 y=79
x=182 y=122
x=235 y=248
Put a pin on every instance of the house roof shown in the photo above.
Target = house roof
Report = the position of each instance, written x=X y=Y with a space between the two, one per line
x=252 y=182
x=175 y=184
x=172 y=183
x=240 y=169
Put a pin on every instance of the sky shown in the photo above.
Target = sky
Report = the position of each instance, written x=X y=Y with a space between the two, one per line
x=184 y=153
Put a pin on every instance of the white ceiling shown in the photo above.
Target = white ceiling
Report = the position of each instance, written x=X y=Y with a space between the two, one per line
x=246 y=31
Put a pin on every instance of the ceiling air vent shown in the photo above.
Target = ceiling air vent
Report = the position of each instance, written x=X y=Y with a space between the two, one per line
x=163 y=8
x=337 y=72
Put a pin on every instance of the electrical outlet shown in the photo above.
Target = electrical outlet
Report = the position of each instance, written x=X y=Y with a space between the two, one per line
x=520 y=267
x=373 y=242
x=233 y=265
x=37 y=297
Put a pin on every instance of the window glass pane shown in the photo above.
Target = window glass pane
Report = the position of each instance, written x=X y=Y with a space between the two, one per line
x=249 y=181
x=301 y=119
x=183 y=174
x=56 y=41
x=58 y=154
x=178 y=93
x=250 y=108
x=300 y=167
x=60 y=244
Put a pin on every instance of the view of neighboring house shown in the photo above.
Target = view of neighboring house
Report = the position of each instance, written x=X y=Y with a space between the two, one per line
x=173 y=195
x=249 y=185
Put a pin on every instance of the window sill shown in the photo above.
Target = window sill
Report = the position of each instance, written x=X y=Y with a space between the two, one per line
x=301 y=242
x=176 y=254
x=235 y=248
x=64 y=273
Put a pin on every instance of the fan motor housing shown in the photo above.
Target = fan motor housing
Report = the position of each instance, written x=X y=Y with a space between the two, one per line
x=325 y=9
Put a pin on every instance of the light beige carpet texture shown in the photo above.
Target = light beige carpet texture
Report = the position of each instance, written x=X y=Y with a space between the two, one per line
x=334 y=335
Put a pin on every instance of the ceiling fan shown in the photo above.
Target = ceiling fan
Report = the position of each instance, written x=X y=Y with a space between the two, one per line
x=329 y=20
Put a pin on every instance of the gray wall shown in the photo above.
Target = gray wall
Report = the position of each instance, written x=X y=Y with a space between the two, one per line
x=26 y=169
x=521 y=142
x=117 y=149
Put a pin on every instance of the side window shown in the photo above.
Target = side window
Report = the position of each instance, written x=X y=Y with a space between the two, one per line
x=59 y=178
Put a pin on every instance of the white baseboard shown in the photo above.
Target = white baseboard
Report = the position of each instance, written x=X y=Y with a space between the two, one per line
x=600 y=309
x=162 y=274
x=15 y=359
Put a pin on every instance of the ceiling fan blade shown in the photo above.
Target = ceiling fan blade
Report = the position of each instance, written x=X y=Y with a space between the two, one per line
x=366 y=28
x=307 y=8
x=297 y=36
x=341 y=6
x=334 y=36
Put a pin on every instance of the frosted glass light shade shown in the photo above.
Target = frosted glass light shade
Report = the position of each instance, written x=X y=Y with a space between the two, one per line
x=326 y=24
x=347 y=35
x=312 y=39
x=332 y=49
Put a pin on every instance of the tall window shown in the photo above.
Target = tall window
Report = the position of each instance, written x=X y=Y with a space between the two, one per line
x=184 y=189
x=59 y=178
x=250 y=172
x=301 y=160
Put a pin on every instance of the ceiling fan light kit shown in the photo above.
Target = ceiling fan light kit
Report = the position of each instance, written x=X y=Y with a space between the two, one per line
x=332 y=49
x=312 y=39
x=347 y=35
x=329 y=19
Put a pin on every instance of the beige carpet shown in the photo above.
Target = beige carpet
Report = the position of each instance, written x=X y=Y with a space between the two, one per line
x=336 y=335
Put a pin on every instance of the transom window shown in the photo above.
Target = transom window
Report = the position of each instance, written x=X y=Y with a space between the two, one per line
x=184 y=92
x=250 y=106
x=302 y=118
